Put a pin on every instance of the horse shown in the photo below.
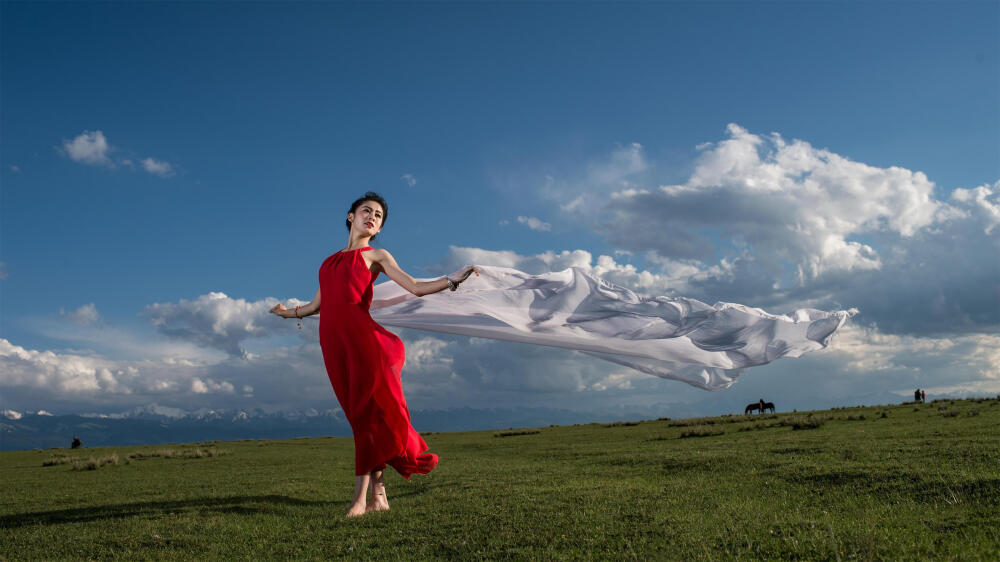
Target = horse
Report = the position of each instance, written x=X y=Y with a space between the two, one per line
x=767 y=406
x=751 y=407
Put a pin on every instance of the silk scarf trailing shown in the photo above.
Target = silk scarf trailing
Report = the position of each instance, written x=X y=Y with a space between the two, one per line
x=669 y=337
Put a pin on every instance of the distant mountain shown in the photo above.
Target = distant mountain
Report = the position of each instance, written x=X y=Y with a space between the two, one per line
x=150 y=426
x=155 y=424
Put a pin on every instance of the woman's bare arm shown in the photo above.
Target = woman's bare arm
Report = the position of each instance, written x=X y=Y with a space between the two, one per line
x=304 y=310
x=419 y=288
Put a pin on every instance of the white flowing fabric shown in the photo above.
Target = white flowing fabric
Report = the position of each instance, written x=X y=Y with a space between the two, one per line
x=669 y=337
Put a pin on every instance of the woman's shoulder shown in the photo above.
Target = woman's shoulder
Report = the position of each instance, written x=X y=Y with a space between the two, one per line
x=378 y=254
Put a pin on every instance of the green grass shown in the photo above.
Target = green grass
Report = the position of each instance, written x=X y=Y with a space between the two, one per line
x=916 y=483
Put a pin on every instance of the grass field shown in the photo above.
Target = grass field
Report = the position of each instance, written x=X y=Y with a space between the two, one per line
x=905 y=482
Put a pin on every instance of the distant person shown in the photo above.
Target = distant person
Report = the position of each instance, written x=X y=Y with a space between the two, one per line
x=916 y=396
x=76 y=443
x=923 y=396
x=363 y=359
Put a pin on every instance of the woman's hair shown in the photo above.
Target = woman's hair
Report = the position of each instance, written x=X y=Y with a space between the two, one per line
x=370 y=196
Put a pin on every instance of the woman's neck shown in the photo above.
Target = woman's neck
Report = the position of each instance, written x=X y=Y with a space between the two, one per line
x=354 y=244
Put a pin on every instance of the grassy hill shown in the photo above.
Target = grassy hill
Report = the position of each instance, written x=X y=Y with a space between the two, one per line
x=898 y=482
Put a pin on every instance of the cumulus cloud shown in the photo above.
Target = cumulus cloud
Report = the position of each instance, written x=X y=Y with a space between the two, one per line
x=409 y=180
x=92 y=148
x=208 y=386
x=215 y=320
x=70 y=374
x=776 y=223
x=983 y=202
x=85 y=315
x=157 y=167
x=958 y=365
x=283 y=378
x=535 y=223
x=786 y=200
x=89 y=148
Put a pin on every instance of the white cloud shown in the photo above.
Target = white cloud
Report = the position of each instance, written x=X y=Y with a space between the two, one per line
x=409 y=179
x=89 y=148
x=286 y=378
x=85 y=315
x=535 y=223
x=984 y=201
x=965 y=389
x=786 y=200
x=955 y=365
x=775 y=223
x=426 y=351
x=208 y=386
x=157 y=167
x=218 y=321
x=92 y=148
x=621 y=381
x=624 y=162
x=583 y=195
x=63 y=373
x=867 y=350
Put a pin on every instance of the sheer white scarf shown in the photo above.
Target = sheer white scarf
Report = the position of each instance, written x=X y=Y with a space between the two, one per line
x=670 y=337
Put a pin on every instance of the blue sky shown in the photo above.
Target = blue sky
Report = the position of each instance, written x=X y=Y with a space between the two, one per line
x=815 y=151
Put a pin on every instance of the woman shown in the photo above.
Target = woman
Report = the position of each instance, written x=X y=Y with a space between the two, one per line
x=363 y=359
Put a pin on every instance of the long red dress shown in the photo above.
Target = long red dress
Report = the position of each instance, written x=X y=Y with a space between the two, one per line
x=364 y=361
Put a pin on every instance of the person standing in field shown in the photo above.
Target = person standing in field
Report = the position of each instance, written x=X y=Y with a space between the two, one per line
x=363 y=359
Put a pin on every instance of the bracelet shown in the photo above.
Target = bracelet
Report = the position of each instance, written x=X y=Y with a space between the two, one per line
x=451 y=284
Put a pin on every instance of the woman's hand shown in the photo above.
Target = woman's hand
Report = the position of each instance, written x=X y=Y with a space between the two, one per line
x=279 y=309
x=465 y=273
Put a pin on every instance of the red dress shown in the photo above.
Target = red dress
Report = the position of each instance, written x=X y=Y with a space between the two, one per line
x=364 y=361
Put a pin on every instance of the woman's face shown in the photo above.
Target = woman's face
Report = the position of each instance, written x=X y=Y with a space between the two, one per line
x=367 y=218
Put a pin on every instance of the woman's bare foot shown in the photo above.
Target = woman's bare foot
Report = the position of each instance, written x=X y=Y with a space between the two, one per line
x=379 y=500
x=378 y=503
x=357 y=510
x=360 y=496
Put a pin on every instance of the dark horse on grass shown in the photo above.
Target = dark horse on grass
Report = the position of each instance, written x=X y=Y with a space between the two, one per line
x=760 y=406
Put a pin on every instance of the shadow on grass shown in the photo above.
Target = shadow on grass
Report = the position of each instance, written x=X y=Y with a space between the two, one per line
x=241 y=505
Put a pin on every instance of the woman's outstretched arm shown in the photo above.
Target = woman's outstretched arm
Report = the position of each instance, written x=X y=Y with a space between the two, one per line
x=420 y=288
x=303 y=310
